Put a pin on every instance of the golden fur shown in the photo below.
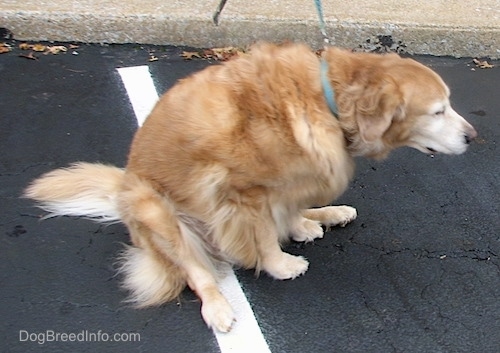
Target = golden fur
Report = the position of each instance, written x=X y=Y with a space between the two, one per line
x=231 y=159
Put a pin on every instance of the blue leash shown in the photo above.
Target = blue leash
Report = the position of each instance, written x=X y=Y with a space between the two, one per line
x=328 y=91
x=322 y=26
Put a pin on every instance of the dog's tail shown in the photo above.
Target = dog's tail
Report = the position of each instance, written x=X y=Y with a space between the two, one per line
x=91 y=191
x=82 y=189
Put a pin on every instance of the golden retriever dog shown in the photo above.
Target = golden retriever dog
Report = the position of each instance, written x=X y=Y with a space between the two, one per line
x=238 y=158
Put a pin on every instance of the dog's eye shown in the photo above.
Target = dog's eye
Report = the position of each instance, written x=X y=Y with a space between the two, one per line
x=439 y=113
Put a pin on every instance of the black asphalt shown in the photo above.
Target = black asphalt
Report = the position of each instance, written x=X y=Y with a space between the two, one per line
x=418 y=271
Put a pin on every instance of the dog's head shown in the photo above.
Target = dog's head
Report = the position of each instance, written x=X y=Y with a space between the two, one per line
x=387 y=102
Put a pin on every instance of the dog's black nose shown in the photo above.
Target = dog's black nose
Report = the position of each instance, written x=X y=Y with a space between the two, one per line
x=470 y=135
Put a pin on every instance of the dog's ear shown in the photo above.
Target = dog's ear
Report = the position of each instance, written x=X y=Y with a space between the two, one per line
x=376 y=109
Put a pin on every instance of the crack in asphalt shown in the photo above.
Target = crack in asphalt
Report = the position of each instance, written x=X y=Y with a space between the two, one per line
x=445 y=317
x=481 y=255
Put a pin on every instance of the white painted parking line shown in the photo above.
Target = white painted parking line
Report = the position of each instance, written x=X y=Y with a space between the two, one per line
x=141 y=90
x=246 y=335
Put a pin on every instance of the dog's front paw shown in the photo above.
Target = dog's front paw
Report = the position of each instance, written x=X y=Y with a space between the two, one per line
x=345 y=215
x=307 y=230
x=338 y=215
x=218 y=314
x=287 y=266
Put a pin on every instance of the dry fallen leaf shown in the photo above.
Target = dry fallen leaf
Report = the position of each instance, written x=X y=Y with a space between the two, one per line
x=207 y=54
x=225 y=50
x=29 y=56
x=483 y=64
x=55 y=49
x=188 y=55
x=152 y=58
x=25 y=46
x=4 y=48
x=38 y=47
x=222 y=54
x=227 y=53
x=74 y=46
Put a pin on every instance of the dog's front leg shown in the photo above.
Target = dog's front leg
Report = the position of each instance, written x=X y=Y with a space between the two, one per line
x=331 y=215
x=304 y=229
x=274 y=261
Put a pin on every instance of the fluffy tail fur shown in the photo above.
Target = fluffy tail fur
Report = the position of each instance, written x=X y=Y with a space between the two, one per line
x=83 y=190
x=91 y=191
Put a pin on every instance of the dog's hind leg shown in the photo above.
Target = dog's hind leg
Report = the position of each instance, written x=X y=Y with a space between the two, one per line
x=331 y=215
x=167 y=235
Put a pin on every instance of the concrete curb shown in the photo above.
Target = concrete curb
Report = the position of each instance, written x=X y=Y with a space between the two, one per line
x=190 y=23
